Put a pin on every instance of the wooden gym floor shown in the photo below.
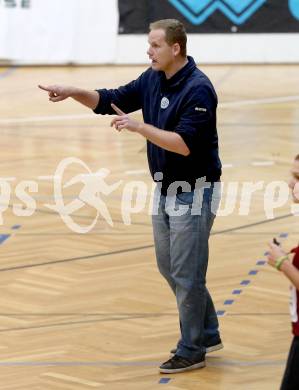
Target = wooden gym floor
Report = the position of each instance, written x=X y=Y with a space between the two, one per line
x=88 y=311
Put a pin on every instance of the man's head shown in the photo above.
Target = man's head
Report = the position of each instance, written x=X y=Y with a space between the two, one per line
x=167 y=43
x=294 y=182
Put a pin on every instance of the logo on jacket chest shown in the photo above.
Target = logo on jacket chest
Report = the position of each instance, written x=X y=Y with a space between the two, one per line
x=164 y=103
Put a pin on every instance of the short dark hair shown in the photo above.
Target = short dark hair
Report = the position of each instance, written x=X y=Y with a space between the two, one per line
x=174 y=33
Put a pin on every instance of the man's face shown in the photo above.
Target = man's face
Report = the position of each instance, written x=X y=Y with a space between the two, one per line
x=160 y=53
x=294 y=182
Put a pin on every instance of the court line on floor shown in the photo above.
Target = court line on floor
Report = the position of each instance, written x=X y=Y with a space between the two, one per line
x=50 y=178
x=99 y=255
x=229 y=230
x=237 y=103
x=210 y=362
x=257 y=124
x=80 y=258
x=95 y=127
x=48 y=118
x=144 y=224
x=128 y=314
x=4 y=237
x=8 y=72
x=53 y=138
x=87 y=217
x=250 y=102
x=252 y=273
x=262 y=163
x=111 y=318
x=101 y=232
x=73 y=323
x=223 y=78
x=258 y=233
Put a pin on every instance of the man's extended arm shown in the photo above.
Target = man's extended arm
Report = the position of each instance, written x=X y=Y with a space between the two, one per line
x=57 y=93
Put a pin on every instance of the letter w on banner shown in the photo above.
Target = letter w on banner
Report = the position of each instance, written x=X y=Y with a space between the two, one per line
x=212 y=16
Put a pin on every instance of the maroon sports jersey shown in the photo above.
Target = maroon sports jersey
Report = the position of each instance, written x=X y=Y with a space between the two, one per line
x=294 y=304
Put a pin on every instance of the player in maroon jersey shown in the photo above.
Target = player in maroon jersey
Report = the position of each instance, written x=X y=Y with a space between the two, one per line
x=290 y=268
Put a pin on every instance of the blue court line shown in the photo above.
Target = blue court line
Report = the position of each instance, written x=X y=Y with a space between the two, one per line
x=283 y=235
x=261 y=262
x=164 y=380
x=237 y=292
x=3 y=237
x=245 y=282
x=7 y=72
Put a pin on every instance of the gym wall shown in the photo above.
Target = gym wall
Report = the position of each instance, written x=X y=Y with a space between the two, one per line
x=111 y=31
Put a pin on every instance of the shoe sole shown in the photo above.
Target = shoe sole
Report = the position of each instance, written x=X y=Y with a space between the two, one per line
x=177 y=370
x=213 y=348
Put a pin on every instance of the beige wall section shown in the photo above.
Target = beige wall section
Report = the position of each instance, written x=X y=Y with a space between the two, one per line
x=220 y=48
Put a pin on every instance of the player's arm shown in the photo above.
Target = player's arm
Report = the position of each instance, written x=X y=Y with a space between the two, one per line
x=278 y=258
x=291 y=273
x=57 y=93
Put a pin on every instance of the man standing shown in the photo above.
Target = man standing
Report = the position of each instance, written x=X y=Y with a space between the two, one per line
x=179 y=110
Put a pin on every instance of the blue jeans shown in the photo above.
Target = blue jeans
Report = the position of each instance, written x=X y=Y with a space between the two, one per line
x=182 y=251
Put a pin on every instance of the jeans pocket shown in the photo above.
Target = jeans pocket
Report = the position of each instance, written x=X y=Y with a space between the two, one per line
x=185 y=198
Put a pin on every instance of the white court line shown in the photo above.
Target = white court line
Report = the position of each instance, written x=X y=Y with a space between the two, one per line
x=295 y=209
x=263 y=163
x=278 y=99
x=47 y=118
x=137 y=172
x=49 y=178
x=32 y=119
x=91 y=175
x=8 y=178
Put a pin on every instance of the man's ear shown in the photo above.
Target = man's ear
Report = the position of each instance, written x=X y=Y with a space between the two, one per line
x=176 y=48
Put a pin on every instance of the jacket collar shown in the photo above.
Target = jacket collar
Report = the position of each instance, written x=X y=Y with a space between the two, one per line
x=179 y=76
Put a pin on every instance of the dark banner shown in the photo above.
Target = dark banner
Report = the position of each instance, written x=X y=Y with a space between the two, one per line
x=212 y=16
x=15 y=3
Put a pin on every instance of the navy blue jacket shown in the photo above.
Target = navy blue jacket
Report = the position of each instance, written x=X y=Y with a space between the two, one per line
x=189 y=110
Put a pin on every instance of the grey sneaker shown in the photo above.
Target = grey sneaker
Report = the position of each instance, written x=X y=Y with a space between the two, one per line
x=210 y=347
x=178 y=364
